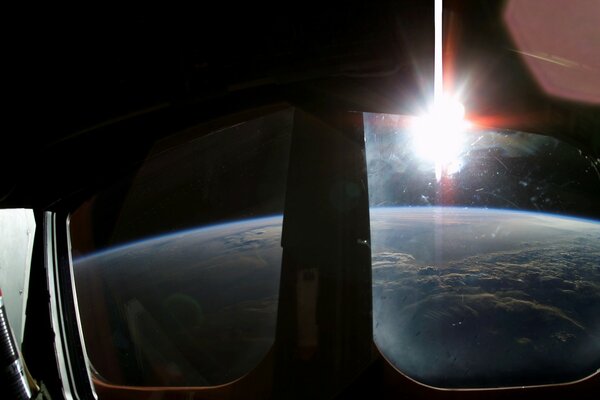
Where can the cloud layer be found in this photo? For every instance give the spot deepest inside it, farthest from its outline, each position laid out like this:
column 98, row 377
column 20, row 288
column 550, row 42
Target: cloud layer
column 508, row 316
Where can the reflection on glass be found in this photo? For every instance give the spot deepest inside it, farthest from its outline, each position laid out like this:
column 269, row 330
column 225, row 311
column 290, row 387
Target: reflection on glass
column 195, row 308
column 479, row 278
column 177, row 267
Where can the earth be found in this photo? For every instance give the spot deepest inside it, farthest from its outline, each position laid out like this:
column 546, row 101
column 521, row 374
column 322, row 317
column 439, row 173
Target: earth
column 461, row 298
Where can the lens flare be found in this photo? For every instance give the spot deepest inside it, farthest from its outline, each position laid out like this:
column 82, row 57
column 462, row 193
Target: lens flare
column 438, row 137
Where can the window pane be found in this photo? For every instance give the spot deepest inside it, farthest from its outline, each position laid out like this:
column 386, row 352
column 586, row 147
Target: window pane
column 480, row 279
column 177, row 267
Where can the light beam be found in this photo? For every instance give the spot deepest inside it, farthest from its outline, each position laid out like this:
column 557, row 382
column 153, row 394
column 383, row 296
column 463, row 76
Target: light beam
column 438, row 136
column 438, row 73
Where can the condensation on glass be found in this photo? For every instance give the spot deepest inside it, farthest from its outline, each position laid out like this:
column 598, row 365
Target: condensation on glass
column 486, row 269
column 177, row 265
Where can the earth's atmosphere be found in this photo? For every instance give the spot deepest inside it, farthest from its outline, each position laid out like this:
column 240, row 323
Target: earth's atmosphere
column 461, row 298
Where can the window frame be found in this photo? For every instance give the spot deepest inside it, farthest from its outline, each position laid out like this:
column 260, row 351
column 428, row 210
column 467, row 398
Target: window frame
column 78, row 382
column 72, row 361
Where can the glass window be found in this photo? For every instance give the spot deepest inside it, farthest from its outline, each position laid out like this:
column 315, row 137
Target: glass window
column 484, row 263
column 177, row 265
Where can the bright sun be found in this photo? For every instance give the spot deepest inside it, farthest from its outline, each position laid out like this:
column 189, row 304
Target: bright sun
column 438, row 136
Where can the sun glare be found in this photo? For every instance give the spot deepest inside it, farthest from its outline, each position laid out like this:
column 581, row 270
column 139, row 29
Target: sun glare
column 438, row 136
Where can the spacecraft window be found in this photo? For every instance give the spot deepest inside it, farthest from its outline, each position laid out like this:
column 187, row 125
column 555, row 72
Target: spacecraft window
column 177, row 265
column 488, row 253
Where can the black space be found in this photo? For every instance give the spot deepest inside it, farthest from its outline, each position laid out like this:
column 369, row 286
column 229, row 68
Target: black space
column 100, row 82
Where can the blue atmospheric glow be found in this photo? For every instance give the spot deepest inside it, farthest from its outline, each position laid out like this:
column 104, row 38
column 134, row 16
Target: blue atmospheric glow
column 279, row 218
column 488, row 210
column 207, row 228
